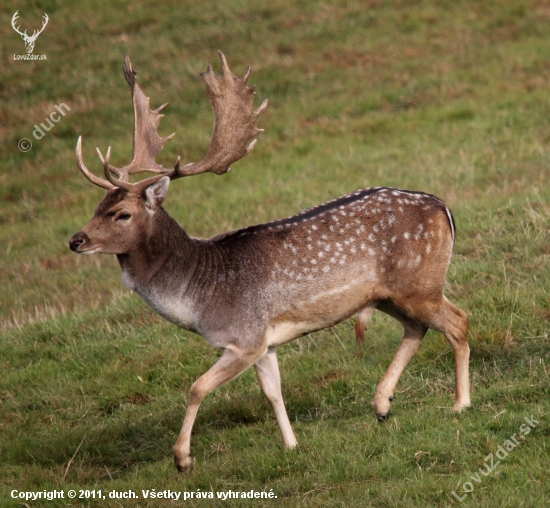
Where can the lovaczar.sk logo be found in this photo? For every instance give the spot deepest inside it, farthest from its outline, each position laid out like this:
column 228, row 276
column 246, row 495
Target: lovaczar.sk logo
column 29, row 39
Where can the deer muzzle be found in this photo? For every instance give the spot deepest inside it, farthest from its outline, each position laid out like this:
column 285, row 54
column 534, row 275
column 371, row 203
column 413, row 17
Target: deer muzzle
column 78, row 240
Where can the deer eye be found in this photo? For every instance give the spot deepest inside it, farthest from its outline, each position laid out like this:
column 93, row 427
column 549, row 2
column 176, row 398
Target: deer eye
column 123, row 216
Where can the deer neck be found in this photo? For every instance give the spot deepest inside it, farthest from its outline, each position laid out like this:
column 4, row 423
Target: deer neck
column 161, row 269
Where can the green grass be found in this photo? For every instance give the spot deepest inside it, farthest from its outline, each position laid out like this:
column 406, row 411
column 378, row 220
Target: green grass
column 451, row 98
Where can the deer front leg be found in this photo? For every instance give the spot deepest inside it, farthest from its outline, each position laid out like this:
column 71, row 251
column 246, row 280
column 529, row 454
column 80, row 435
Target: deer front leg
column 267, row 369
column 232, row 363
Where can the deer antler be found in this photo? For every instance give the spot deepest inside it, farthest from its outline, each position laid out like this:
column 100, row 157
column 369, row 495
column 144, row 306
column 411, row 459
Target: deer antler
column 233, row 138
column 16, row 28
column 36, row 33
column 24, row 34
column 235, row 128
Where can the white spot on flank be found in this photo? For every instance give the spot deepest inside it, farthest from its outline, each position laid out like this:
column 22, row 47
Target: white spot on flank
column 313, row 261
column 394, row 239
column 326, row 269
column 406, row 235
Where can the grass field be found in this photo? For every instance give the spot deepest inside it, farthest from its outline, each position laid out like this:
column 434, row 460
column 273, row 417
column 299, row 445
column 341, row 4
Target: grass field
column 447, row 97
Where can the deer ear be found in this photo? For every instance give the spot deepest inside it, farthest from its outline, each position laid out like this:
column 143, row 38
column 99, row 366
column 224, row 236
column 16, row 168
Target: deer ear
column 156, row 193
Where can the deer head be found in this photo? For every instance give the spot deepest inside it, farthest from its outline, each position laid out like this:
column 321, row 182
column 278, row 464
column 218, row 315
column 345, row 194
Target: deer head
column 121, row 217
column 29, row 39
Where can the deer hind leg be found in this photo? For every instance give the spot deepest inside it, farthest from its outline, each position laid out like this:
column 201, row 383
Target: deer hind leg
column 414, row 332
column 363, row 319
column 267, row 369
column 453, row 323
column 232, row 363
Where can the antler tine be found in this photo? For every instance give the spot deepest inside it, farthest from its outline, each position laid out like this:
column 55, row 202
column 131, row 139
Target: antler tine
column 86, row 172
column 235, row 122
column 133, row 188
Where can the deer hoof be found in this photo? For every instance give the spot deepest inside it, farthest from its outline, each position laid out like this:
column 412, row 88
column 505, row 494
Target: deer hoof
column 459, row 406
column 185, row 464
column 382, row 417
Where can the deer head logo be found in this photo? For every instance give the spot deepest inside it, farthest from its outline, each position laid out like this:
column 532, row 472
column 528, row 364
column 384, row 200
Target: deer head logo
column 29, row 39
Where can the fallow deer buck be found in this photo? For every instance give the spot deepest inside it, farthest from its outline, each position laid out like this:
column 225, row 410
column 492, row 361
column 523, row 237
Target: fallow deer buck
column 250, row 290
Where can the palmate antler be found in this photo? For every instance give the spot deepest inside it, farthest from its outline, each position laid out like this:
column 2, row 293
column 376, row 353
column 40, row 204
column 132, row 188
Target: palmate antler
column 234, row 134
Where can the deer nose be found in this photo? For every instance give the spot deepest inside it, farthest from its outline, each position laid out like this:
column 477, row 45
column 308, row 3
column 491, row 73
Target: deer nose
column 77, row 240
